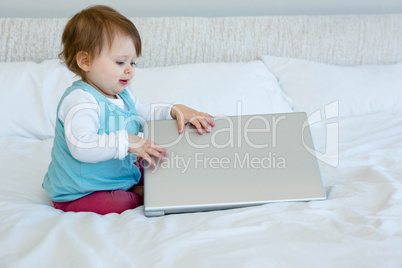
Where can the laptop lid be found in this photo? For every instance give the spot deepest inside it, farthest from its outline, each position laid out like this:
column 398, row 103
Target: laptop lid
column 244, row 161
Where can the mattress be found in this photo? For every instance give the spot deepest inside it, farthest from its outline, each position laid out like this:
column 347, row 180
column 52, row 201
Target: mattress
column 360, row 225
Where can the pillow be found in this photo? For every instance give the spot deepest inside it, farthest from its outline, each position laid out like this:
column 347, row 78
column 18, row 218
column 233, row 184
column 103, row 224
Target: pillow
column 215, row 88
column 30, row 95
column 31, row 91
column 360, row 90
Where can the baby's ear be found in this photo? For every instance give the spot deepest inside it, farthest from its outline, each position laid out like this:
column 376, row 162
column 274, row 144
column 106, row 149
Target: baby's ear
column 83, row 62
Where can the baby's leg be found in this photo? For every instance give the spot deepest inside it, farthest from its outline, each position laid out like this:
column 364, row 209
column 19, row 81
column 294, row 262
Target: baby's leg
column 139, row 189
column 103, row 202
column 140, row 164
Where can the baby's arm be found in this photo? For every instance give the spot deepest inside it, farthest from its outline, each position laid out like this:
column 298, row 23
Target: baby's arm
column 181, row 113
column 79, row 112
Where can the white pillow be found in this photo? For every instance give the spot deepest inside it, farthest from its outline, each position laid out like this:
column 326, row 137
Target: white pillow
column 359, row 89
column 215, row 88
column 31, row 91
column 30, row 95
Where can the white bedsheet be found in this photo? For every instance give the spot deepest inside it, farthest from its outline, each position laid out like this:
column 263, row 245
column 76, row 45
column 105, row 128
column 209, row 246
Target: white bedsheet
column 360, row 225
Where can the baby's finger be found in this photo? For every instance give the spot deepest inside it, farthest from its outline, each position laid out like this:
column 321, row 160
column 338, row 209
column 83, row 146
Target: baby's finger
column 197, row 124
column 147, row 158
column 155, row 153
column 209, row 121
column 207, row 117
column 180, row 123
column 204, row 124
column 158, row 147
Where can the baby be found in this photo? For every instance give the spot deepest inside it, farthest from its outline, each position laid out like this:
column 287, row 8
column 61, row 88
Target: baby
column 98, row 120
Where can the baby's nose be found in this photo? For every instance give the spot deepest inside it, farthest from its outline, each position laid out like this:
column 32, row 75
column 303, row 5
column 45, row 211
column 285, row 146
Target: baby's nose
column 129, row 70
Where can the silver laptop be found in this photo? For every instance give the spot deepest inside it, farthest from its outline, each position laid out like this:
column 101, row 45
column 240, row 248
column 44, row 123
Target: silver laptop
column 244, row 161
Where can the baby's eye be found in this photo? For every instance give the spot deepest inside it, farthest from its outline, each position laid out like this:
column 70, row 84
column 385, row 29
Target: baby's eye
column 133, row 64
column 120, row 62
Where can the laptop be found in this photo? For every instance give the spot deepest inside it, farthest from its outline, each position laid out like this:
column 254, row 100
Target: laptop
column 244, row 161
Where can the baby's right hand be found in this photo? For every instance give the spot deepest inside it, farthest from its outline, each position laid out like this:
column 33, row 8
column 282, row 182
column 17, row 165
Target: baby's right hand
column 145, row 148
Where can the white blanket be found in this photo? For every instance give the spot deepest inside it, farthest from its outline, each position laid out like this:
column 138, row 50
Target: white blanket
column 360, row 225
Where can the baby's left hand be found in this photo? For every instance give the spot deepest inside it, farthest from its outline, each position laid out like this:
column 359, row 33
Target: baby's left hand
column 184, row 114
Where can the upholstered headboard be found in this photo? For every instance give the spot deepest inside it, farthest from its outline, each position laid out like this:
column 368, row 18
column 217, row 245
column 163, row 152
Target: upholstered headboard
column 345, row 40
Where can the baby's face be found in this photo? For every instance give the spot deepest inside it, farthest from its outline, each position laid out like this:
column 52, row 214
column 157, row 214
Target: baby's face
column 113, row 69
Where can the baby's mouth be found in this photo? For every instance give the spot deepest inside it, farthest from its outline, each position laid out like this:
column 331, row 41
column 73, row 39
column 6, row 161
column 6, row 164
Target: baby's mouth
column 123, row 82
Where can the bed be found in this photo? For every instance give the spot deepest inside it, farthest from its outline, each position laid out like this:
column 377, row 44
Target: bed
column 344, row 71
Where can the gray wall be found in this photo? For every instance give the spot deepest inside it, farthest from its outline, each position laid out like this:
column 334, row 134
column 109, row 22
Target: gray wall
column 203, row 8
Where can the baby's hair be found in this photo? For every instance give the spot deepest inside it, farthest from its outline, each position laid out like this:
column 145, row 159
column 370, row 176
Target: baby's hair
column 89, row 29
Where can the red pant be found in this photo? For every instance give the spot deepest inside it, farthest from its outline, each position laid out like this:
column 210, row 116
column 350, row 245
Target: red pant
column 104, row 202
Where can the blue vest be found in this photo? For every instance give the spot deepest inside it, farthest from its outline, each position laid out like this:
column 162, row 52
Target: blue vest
column 67, row 178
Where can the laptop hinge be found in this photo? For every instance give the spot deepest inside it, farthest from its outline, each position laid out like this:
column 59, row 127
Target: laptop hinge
column 156, row 213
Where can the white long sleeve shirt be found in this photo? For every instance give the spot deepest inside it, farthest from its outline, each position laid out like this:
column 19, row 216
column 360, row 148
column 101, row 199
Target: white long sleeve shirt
column 80, row 113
